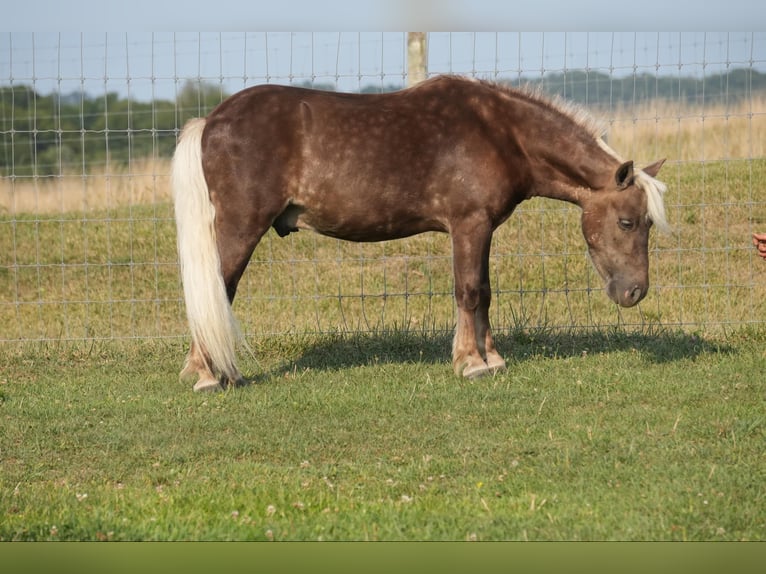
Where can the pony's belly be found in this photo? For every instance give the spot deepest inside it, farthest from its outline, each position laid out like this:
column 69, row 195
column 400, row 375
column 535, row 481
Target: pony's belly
column 364, row 230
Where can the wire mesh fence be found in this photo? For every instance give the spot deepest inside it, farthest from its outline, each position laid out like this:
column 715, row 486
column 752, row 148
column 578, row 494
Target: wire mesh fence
column 88, row 124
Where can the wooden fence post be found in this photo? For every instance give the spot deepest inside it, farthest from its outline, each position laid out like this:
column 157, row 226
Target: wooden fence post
column 417, row 57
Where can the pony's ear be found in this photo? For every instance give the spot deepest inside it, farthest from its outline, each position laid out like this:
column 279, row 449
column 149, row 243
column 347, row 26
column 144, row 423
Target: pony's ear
column 654, row 169
column 624, row 175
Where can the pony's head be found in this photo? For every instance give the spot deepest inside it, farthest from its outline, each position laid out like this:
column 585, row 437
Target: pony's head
column 616, row 222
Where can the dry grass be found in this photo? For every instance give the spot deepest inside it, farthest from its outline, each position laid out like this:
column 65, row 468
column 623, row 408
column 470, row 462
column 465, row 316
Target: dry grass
column 646, row 132
column 142, row 182
column 662, row 128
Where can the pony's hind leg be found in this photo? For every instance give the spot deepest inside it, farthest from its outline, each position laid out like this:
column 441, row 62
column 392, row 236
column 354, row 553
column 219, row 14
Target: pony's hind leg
column 198, row 363
column 235, row 248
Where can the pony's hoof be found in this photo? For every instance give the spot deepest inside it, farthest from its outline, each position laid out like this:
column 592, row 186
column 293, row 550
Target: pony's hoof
column 207, row 386
column 475, row 370
column 495, row 363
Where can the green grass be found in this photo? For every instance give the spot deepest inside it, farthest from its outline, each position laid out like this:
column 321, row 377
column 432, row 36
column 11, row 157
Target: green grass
column 588, row 436
column 640, row 424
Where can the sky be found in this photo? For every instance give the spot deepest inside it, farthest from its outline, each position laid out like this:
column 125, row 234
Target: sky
column 389, row 15
column 354, row 44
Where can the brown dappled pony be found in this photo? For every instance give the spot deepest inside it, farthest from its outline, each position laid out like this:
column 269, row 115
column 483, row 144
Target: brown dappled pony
column 452, row 154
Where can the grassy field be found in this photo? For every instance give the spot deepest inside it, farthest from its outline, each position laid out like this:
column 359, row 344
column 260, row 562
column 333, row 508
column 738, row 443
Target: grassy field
column 600, row 436
column 640, row 424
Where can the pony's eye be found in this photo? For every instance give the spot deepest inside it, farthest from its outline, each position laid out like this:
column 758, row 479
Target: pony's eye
column 626, row 224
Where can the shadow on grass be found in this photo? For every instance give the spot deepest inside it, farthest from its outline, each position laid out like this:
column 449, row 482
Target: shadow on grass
column 339, row 351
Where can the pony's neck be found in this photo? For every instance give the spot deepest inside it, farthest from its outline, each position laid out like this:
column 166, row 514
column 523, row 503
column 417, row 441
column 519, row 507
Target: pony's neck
column 567, row 155
column 572, row 174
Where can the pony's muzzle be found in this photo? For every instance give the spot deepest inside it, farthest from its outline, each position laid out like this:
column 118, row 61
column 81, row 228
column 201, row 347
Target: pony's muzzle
column 626, row 296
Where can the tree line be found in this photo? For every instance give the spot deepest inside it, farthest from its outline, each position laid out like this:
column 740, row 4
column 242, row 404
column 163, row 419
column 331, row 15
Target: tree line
column 73, row 133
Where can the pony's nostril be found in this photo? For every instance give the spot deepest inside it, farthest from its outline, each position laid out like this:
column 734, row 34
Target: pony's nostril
column 635, row 295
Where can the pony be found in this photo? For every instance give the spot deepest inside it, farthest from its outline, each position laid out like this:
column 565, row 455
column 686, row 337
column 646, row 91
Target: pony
column 451, row 154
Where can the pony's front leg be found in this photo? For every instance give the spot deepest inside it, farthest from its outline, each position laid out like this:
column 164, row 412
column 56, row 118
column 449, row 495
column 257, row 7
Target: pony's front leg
column 466, row 359
column 484, row 334
column 484, row 338
column 470, row 248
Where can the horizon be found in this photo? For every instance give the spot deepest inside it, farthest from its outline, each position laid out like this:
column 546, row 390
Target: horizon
column 155, row 66
column 76, row 95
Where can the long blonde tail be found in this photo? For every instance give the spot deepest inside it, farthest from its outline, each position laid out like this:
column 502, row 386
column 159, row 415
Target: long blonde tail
column 211, row 320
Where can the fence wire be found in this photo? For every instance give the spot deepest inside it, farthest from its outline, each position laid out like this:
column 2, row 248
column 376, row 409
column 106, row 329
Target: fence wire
column 88, row 123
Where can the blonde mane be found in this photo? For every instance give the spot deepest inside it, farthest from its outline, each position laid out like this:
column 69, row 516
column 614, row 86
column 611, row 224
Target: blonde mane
column 577, row 113
column 655, row 204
